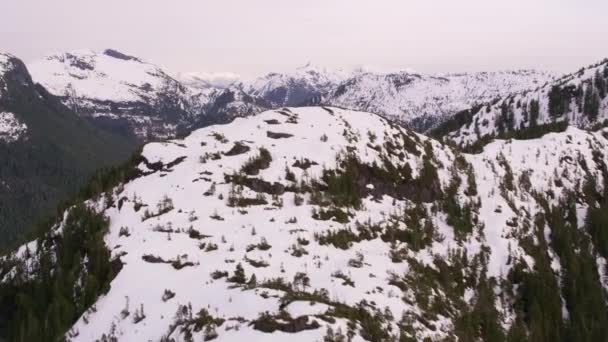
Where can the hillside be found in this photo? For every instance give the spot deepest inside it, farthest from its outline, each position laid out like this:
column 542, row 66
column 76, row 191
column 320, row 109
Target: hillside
column 305, row 85
column 418, row 100
column 424, row 101
column 135, row 98
column 577, row 99
column 46, row 151
column 139, row 100
column 121, row 93
column 313, row 224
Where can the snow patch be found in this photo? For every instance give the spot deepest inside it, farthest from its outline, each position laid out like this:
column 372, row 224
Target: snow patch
column 11, row 128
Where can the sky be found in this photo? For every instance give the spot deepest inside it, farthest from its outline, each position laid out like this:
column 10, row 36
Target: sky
column 251, row 37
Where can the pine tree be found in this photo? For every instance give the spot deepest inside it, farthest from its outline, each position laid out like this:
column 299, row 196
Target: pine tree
column 600, row 84
column 591, row 106
column 534, row 113
column 239, row 276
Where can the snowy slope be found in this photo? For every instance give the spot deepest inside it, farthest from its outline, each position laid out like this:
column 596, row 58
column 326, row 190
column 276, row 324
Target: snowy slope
column 4, row 65
column 423, row 101
column 569, row 96
column 229, row 103
column 205, row 80
column 11, row 128
column 114, row 89
column 207, row 203
column 99, row 76
column 124, row 93
column 302, row 86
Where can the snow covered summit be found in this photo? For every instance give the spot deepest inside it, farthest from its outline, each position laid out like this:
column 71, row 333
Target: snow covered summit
column 120, row 92
column 317, row 223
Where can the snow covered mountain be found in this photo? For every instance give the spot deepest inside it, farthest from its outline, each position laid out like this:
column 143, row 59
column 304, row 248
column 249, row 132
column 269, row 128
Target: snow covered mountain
column 423, row 101
column 306, row 85
column 11, row 127
column 418, row 100
column 124, row 94
column 230, row 103
column 578, row 99
column 205, row 80
column 121, row 93
column 322, row 224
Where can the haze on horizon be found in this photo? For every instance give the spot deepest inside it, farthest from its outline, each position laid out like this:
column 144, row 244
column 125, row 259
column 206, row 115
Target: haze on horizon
column 254, row 37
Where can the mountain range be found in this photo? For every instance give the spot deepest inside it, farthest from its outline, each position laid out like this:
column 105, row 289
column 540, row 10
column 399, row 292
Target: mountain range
column 140, row 100
column 468, row 207
column 577, row 99
column 316, row 224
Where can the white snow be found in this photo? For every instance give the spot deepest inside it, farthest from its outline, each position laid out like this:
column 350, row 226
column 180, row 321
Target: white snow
column 485, row 120
column 4, row 61
column 312, row 77
column 11, row 128
column 406, row 96
column 399, row 95
column 205, row 80
column 95, row 75
column 233, row 229
column 185, row 184
column 120, row 87
column 297, row 309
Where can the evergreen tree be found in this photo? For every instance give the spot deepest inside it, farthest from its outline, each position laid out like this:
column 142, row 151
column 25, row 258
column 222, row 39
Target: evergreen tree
column 538, row 301
column 581, row 286
column 534, row 113
column 62, row 286
column 600, row 84
column 559, row 100
column 591, row 106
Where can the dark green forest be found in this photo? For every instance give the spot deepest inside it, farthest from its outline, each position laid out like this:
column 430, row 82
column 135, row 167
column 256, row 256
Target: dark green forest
column 57, row 155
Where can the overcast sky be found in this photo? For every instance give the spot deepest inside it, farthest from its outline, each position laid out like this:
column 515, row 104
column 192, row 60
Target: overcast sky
column 254, row 36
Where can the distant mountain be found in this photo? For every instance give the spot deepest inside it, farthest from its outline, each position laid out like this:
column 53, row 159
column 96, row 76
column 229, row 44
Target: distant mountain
column 423, row 101
column 121, row 93
column 417, row 100
column 230, row 103
column 202, row 80
column 305, row 85
column 579, row 99
column 324, row 224
column 46, row 151
column 125, row 94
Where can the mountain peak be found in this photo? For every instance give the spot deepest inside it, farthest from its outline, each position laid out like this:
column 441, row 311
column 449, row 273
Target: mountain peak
column 204, row 80
column 7, row 62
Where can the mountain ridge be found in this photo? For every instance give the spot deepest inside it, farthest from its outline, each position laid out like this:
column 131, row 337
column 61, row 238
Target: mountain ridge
column 418, row 100
column 577, row 99
column 321, row 223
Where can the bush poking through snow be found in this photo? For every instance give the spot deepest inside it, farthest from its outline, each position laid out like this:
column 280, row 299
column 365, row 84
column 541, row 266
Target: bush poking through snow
column 139, row 314
column 260, row 162
column 238, row 275
column 168, row 294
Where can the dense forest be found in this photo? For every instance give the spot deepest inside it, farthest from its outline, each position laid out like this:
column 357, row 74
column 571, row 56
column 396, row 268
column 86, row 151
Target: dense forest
column 44, row 293
column 56, row 156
